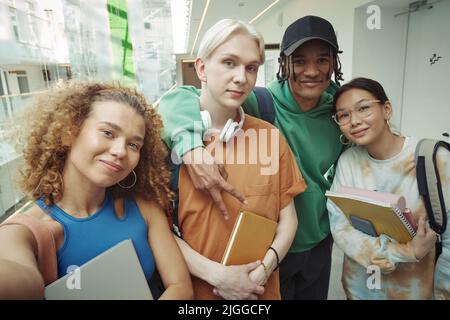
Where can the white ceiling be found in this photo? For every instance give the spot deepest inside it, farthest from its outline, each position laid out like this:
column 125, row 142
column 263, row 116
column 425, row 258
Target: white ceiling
column 219, row 9
column 247, row 9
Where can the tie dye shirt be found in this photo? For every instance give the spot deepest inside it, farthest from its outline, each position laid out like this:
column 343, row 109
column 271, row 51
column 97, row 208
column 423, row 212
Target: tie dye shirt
column 379, row 267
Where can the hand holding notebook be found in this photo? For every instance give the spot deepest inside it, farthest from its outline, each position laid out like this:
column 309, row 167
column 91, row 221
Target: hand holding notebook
column 113, row 274
column 424, row 240
column 375, row 213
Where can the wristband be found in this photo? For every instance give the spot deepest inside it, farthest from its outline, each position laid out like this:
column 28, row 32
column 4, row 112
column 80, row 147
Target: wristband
column 276, row 255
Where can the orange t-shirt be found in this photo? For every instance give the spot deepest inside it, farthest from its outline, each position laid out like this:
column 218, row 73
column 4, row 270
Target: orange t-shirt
column 262, row 167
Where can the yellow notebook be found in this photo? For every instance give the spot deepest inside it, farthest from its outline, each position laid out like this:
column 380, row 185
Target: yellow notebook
column 385, row 216
column 250, row 239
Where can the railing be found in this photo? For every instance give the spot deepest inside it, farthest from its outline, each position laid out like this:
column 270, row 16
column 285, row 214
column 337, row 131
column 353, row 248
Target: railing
column 11, row 105
column 10, row 161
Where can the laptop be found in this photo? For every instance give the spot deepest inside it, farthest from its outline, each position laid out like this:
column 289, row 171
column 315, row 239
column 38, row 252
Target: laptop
column 115, row 274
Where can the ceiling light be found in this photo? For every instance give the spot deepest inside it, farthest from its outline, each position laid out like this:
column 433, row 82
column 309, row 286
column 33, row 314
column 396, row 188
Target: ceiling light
column 200, row 25
column 264, row 11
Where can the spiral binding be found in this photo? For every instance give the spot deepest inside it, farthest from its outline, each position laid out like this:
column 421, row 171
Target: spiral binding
column 405, row 221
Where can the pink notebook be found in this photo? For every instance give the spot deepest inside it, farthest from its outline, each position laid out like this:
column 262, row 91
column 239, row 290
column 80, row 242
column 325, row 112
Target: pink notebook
column 397, row 201
column 394, row 199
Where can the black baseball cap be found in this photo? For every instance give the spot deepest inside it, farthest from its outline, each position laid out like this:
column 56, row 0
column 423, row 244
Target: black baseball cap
column 305, row 29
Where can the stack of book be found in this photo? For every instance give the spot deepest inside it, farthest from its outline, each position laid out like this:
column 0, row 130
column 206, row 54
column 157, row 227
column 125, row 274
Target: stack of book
column 375, row 213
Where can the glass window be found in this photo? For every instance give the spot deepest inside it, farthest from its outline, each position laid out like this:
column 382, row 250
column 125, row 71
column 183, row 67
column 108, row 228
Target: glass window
column 23, row 84
column 15, row 25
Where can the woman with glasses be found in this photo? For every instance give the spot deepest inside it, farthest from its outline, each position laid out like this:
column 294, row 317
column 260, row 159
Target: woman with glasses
column 379, row 267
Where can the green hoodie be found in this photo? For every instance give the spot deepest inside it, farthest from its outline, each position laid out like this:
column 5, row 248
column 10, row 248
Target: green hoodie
column 313, row 137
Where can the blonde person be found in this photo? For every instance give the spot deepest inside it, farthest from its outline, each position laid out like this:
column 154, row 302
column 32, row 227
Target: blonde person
column 383, row 161
column 94, row 166
column 227, row 63
column 302, row 97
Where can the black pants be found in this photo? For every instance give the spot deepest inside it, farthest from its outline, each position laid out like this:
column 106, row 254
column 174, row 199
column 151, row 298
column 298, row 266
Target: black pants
column 306, row 275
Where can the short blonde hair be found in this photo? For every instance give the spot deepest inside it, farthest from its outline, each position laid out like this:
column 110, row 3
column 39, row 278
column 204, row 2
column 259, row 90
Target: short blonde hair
column 222, row 30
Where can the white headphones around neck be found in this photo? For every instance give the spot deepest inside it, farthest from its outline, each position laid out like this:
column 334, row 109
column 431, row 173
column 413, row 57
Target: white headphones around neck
column 230, row 128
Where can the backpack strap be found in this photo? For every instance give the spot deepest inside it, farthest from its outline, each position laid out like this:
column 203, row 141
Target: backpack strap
column 265, row 103
column 46, row 249
column 175, row 175
column 429, row 185
column 429, row 182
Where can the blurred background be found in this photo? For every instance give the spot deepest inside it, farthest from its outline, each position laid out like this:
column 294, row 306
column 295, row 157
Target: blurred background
column 151, row 44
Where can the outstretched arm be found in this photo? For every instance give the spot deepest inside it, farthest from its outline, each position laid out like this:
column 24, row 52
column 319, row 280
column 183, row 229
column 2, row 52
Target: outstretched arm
column 19, row 274
column 180, row 111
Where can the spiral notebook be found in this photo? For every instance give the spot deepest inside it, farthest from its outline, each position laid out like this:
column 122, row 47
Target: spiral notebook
column 382, row 211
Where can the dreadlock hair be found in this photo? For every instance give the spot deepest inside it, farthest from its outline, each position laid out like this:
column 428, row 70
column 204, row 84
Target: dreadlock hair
column 284, row 67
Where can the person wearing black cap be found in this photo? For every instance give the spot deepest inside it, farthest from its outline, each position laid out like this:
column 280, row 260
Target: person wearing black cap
column 303, row 102
column 300, row 32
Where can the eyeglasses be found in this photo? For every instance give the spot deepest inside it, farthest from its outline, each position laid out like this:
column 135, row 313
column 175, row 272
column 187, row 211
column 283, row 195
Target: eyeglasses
column 363, row 110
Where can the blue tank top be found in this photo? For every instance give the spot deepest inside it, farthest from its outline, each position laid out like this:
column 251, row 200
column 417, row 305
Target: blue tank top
column 85, row 238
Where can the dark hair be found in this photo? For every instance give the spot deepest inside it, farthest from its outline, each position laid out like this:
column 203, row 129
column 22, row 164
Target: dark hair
column 284, row 68
column 369, row 85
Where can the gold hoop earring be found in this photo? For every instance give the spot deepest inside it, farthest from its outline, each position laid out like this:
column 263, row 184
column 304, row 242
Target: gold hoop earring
column 343, row 139
column 389, row 125
column 132, row 185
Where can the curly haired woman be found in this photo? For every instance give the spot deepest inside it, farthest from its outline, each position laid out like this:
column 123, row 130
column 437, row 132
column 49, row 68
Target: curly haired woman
column 94, row 164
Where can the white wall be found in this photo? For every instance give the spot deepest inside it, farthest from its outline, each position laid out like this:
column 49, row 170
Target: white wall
column 397, row 55
column 339, row 13
column 380, row 53
column 35, row 78
column 426, row 106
